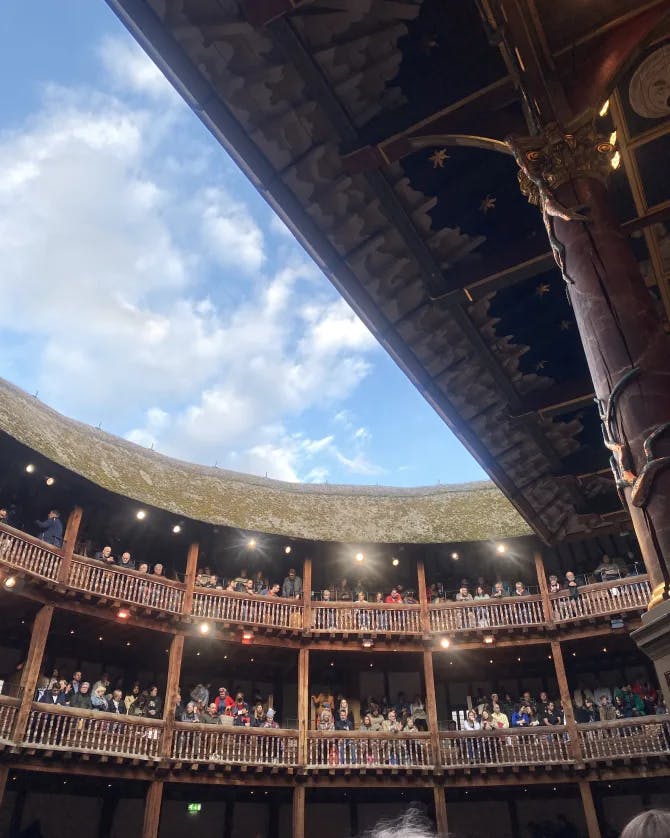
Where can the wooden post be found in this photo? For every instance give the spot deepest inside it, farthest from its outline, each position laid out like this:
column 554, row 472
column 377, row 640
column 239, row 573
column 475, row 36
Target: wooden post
column 544, row 588
column 574, row 748
column 590, row 814
column 431, row 705
column 440, row 811
column 189, row 578
column 70, row 542
column 303, row 704
column 423, row 597
column 31, row 670
column 170, row 703
column 298, row 812
column 307, row 594
column 152, row 809
column 4, row 774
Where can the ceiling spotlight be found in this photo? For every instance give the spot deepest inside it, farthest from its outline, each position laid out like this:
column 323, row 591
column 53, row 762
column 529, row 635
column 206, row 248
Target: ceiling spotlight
column 455, row 556
column 604, row 109
column 488, row 639
column 247, row 635
column 615, row 162
column 128, row 643
column 10, row 582
column 605, row 649
column 30, row 468
column 123, row 613
column 204, row 628
column 251, row 544
column 71, row 631
column 491, row 660
column 287, row 549
column 445, row 643
column 176, row 529
column 359, row 557
column 367, row 643
column 50, row 481
column 140, row 515
column 100, row 637
column 501, row 548
column 395, row 562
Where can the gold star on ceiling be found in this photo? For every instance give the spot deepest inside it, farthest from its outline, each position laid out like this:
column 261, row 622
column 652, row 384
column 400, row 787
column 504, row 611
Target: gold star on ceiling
column 540, row 366
column 565, row 325
column 488, row 203
column 428, row 44
column 542, row 289
column 438, row 157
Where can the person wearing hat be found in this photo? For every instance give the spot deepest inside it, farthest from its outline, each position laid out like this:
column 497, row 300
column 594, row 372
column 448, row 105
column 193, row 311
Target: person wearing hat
column 270, row 719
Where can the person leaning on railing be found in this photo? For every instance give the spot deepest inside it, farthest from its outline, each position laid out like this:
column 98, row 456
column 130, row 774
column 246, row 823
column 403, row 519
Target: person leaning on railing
column 51, row 529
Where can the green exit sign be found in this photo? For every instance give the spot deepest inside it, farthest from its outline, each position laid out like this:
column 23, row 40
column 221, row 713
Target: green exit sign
column 194, row 808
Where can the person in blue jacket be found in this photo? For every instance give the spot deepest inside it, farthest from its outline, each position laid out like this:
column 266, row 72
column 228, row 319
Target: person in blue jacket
column 52, row 529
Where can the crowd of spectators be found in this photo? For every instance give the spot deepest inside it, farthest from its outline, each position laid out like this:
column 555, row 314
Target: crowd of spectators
column 377, row 715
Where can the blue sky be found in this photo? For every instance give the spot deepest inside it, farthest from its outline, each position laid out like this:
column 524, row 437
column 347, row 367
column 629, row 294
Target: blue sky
column 148, row 288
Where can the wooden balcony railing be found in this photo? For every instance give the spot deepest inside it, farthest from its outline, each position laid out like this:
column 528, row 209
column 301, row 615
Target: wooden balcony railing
column 242, row 608
column 29, row 554
column 8, row 708
column 623, row 738
column 631, row 593
column 366, row 618
column 126, row 586
column 90, row 731
column 513, row 746
column 486, row 614
column 239, row 746
column 332, row 749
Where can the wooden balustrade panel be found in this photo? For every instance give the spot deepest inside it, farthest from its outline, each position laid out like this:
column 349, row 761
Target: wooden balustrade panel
column 8, row 709
column 218, row 743
column 365, row 619
column 645, row 736
column 126, row 586
column 486, row 614
column 86, row 731
column 258, row 610
column 542, row 746
column 29, row 554
column 368, row 750
column 604, row 599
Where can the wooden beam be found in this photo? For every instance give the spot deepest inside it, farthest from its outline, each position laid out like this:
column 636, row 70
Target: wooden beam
column 261, row 12
column 423, row 596
column 566, row 700
column 431, row 705
column 544, row 588
column 307, row 593
column 171, row 691
column 440, row 811
column 303, row 704
column 69, row 542
column 560, row 398
column 590, row 814
column 299, row 812
column 4, row 774
column 31, row 670
column 189, row 579
column 152, row 809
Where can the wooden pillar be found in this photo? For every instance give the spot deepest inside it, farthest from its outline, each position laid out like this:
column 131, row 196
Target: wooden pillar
column 307, row 594
column 574, row 748
column 423, row 597
column 69, row 542
column 171, row 688
column 110, row 803
column 189, row 578
column 303, row 704
column 228, row 817
column 431, row 705
column 31, row 669
column 4, row 774
column 592, row 825
column 544, row 587
column 298, row 812
column 152, row 809
column 440, row 811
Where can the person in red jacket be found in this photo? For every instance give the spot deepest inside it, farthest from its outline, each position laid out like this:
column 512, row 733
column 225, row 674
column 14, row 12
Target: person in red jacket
column 223, row 701
column 394, row 597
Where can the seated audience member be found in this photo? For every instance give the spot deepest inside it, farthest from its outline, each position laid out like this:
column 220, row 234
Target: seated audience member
column 139, row 706
column 102, row 682
column 520, row 589
column 343, row 591
column 498, row 591
column 344, row 705
column 154, row 703
column 143, row 567
column 116, row 705
column 126, row 561
column 75, row 683
column 82, row 699
column 224, row 701
column 105, row 555
column 606, row 710
column 521, row 717
column 51, row 529
column 480, row 593
column 542, row 703
column 463, row 594
column 410, row 598
column 588, row 713
column 274, row 589
column 608, row 569
column 471, row 722
column 552, row 716
column 344, row 722
column 292, row 587
column 240, row 711
column 554, row 584
column 366, row 723
column 260, row 583
column 54, row 695
column 230, row 587
column 240, row 581
column 270, row 719
column 419, row 715
column 527, row 699
column 376, row 718
column 210, row 716
column 5, row 518
column 506, row 703
column 391, row 724
column 158, row 570
column 133, row 695
column 571, row 584
column 325, row 720
column 402, row 705
column 99, row 700
column 191, row 713
column 258, row 716
column 499, row 719
column 395, row 597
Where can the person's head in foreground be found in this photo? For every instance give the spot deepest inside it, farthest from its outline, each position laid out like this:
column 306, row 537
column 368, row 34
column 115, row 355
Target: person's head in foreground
column 652, row 824
column 410, row 825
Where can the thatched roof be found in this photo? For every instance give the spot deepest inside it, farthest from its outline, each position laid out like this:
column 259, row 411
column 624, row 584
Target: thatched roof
column 467, row 512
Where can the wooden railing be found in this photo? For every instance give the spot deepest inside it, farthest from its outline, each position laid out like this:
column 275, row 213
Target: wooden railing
column 365, row 618
column 631, row 593
column 486, row 613
column 242, row 608
column 29, row 554
column 240, row 746
column 8, row 708
column 330, row 749
column 623, row 738
column 512, row 746
column 127, row 586
column 90, row 731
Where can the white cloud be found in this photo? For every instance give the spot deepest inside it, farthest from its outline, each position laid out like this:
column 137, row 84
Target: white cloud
column 130, row 68
column 229, row 232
